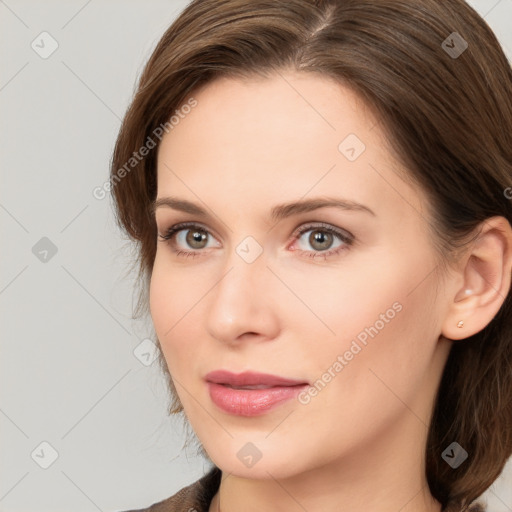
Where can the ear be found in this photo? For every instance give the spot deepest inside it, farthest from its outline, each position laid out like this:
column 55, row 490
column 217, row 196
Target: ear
column 486, row 270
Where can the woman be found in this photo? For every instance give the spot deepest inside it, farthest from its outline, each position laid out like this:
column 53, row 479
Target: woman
column 318, row 191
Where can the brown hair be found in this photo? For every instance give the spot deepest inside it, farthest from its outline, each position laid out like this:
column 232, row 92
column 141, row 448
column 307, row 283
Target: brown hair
column 447, row 116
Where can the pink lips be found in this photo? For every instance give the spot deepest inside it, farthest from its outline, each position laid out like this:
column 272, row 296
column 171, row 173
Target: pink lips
column 250, row 393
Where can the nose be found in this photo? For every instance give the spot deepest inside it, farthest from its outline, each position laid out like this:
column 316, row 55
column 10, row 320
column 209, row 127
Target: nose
column 242, row 305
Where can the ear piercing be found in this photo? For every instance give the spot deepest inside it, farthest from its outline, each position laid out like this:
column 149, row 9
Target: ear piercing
column 466, row 292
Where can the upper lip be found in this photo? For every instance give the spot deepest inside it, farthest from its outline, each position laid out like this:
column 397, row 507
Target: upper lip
column 250, row 379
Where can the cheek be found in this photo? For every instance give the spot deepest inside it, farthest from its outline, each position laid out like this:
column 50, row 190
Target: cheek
column 170, row 291
column 168, row 300
column 346, row 298
column 391, row 370
column 382, row 317
column 160, row 300
column 362, row 388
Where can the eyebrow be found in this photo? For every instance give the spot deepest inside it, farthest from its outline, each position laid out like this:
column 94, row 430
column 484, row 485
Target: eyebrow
column 278, row 212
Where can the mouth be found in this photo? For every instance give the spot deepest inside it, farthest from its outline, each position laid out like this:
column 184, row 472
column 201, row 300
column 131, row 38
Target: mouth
column 250, row 380
column 260, row 386
column 250, row 393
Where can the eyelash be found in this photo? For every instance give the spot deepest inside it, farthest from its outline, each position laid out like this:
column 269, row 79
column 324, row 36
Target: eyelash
column 345, row 237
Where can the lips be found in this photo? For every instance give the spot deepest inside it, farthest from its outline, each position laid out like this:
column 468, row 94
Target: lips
column 250, row 393
column 250, row 380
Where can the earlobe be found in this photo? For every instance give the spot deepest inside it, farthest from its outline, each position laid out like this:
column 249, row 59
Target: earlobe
column 486, row 270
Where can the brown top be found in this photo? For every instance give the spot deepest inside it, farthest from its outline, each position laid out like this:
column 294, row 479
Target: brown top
column 197, row 496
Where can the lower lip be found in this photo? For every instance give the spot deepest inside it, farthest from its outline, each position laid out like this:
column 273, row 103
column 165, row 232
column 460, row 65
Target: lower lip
column 251, row 402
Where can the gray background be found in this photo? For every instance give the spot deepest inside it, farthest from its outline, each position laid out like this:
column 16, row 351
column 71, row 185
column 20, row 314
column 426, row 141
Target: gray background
column 68, row 374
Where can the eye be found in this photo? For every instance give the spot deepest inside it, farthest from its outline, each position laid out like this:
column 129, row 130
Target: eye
column 185, row 236
column 322, row 240
column 188, row 239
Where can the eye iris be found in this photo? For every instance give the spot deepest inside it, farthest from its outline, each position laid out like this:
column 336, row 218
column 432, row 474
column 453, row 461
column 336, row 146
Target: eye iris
column 195, row 238
column 322, row 238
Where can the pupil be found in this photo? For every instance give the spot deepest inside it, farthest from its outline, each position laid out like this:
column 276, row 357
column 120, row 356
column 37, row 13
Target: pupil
column 195, row 238
column 320, row 239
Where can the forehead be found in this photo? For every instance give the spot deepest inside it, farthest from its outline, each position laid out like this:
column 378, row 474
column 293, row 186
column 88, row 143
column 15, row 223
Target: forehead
column 280, row 138
column 294, row 106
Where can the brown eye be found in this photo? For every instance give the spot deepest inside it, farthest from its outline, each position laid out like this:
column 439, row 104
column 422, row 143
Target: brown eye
column 189, row 239
column 320, row 239
column 195, row 238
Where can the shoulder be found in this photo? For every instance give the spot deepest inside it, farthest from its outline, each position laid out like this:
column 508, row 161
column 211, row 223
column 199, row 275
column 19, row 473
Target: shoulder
column 195, row 497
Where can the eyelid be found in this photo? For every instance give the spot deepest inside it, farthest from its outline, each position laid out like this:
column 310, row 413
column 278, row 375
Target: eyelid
column 179, row 226
column 309, row 226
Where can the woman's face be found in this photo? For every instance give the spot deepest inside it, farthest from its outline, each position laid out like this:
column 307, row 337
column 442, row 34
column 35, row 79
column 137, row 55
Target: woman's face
column 307, row 258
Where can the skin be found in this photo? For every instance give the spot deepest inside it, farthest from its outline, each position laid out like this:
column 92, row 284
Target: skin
column 358, row 444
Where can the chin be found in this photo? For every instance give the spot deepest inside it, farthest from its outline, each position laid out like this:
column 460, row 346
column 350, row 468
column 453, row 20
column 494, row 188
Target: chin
column 255, row 460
